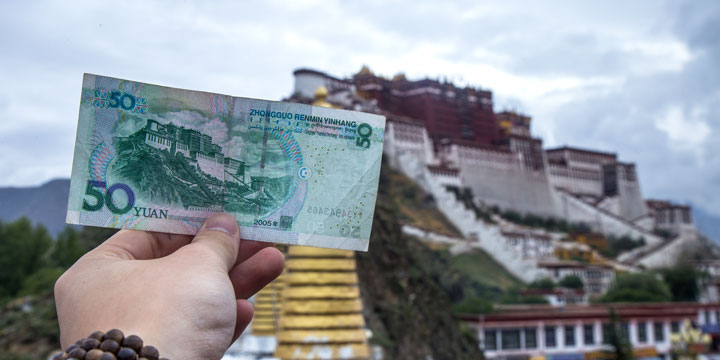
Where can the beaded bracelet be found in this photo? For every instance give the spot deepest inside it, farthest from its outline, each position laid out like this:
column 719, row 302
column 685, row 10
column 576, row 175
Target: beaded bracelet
column 112, row 345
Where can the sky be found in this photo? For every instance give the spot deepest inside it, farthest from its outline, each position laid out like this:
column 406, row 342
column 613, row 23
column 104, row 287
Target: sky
column 639, row 78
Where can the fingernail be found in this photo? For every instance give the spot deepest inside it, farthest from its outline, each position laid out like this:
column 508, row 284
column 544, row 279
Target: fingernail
column 222, row 222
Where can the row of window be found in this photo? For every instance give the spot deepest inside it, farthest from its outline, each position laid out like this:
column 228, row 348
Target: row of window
column 668, row 215
column 526, row 338
column 158, row 139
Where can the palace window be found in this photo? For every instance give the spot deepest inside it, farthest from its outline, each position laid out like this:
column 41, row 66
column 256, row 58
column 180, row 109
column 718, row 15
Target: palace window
column 642, row 331
column 569, row 335
column 510, row 339
column 530, row 338
column 550, row 340
column 588, row 334
column 659, row 332
column 490, row 339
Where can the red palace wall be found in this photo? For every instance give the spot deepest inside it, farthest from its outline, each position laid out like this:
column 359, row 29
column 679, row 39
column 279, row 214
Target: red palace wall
column 445, row 116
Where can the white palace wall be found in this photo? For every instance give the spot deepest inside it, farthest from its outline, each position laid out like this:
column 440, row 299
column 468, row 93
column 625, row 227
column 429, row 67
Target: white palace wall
column 573, row 209
column 499, row 178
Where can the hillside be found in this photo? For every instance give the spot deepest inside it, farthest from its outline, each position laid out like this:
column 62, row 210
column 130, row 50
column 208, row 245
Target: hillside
column 484, row 269
column 404, row 285
column 45, row 204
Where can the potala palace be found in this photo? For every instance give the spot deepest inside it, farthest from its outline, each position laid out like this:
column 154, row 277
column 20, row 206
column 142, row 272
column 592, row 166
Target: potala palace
column 445, row 137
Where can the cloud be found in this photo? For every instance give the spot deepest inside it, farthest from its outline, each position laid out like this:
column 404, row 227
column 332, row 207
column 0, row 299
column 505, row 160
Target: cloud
column 639, row 78
column 685, row 133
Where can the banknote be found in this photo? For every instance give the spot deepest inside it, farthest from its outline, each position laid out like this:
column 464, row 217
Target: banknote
column 156, row 158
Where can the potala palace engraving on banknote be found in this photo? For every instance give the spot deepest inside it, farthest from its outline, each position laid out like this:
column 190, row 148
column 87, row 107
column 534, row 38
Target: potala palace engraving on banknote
column 155, row 158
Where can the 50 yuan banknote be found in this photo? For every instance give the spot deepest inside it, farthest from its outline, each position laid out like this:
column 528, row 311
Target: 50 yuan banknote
column 155, row 158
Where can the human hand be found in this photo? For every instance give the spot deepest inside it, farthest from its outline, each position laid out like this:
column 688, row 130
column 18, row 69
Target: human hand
column 184, row 295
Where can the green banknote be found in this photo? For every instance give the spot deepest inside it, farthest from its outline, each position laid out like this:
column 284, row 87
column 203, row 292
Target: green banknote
column 155, row 158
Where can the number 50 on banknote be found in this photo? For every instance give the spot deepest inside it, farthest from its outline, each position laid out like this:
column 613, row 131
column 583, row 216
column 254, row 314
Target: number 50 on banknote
column 155, row 158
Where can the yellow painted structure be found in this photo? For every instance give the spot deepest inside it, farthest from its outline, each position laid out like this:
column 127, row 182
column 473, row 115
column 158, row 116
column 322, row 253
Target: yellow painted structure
column 321, row 308
column 584, row 255
column 268, row 307
column 597, row 241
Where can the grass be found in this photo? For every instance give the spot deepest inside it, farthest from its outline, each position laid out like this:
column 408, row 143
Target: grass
column 483, row 268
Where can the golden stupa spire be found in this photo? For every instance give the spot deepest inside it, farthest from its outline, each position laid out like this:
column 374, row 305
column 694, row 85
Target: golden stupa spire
column 321, row 94
column 321, row 312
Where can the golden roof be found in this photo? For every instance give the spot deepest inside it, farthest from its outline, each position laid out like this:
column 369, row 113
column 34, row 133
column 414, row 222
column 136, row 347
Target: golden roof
column 365, row 70
column 399, row 77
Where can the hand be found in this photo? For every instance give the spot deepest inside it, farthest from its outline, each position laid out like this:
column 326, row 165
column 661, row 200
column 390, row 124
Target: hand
column 184, row 295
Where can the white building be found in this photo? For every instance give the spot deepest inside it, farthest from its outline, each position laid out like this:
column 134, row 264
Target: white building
column 573, row 331
column 596, row 277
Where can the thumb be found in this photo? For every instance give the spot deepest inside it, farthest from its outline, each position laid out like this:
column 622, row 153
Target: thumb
column 220, row 238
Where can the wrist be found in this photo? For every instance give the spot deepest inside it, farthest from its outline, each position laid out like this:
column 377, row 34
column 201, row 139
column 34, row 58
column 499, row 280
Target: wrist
column 110, row 345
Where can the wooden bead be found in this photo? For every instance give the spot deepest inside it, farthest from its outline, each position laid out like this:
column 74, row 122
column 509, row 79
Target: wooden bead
column 108, row 356
column 60, row 355
column 126, row 353
column 94, row 354
column 149, row 352
column 77, row 353
column 71, row 347
column 90, row 343
column 110, row 346
column 116, row 335
column 134, row 342
column 97, row 335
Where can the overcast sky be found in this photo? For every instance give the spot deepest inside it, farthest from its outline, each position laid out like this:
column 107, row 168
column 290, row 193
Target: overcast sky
column 640, row 78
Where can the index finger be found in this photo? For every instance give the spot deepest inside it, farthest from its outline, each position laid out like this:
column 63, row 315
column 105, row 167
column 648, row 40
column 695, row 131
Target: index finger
column 140, row 245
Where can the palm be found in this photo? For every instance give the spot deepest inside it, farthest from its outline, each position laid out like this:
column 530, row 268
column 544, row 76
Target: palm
column 175, row 294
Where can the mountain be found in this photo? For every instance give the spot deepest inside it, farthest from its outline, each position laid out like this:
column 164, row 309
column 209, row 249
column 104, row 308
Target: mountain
column 45, row 204
column 707, row 223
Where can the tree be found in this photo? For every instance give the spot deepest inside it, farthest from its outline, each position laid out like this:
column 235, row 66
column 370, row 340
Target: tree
column 514, row 296
column 66, row 249
column 682, row 279
column 638, row 287
column 473, row 305
column 22, row 252
column 571, row 282
column 542, row 284
column 618, row 339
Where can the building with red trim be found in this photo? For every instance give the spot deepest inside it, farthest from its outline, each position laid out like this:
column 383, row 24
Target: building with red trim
column 581, row 331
